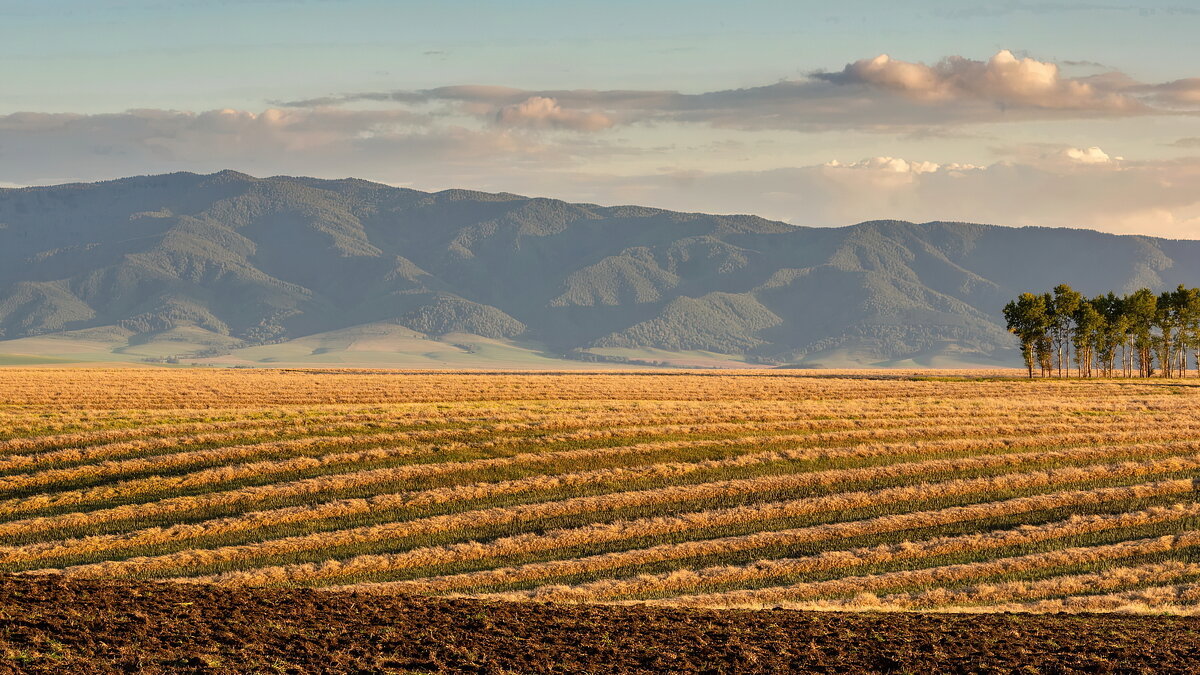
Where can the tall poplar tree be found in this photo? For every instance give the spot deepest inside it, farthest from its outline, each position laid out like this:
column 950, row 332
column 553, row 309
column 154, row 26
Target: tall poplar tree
column 1029, row 320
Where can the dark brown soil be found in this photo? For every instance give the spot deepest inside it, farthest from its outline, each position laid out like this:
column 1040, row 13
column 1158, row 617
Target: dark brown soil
column 48, row 625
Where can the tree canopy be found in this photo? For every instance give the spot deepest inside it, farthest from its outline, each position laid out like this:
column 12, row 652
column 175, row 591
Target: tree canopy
column 1136, row 335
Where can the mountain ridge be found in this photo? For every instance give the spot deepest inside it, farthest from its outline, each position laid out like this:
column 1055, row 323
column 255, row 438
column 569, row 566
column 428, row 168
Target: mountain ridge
column 239, row 262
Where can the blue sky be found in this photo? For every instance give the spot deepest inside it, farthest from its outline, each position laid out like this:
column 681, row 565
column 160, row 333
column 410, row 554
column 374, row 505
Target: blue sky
column 777, row 108
column 94, row 56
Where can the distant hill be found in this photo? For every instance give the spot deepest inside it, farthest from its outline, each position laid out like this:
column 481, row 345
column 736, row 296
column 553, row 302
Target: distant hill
column 234, row 269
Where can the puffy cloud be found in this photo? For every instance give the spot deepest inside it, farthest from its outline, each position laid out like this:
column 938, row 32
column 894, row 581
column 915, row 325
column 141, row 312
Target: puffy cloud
column 540, row 112
column 910, row 78
column 1003, row 80
column 889, row 164
column 1059, row 157
column 1092, row 155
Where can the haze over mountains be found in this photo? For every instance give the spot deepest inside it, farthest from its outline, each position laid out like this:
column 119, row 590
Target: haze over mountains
column 227, row 268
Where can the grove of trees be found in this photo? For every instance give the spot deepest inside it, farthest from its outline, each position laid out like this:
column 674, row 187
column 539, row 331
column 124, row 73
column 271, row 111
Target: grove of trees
column 1135, row 335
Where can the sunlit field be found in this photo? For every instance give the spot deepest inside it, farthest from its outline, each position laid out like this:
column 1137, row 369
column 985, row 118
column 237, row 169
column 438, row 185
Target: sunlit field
column 831, row 490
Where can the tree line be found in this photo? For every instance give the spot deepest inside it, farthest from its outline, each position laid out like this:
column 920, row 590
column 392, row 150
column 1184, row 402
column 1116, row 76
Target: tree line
column 1140, row 334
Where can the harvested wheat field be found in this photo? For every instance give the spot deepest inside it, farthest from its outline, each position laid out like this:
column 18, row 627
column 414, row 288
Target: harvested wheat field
column 710, row 490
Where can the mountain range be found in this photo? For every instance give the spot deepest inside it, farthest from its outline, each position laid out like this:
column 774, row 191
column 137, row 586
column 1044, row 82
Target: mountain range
column 231, row 269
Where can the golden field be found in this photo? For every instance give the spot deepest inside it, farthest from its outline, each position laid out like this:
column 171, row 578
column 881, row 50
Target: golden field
column 827, row 490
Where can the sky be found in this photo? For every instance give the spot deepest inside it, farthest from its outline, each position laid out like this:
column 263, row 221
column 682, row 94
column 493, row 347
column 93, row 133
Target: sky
column 1061, row 114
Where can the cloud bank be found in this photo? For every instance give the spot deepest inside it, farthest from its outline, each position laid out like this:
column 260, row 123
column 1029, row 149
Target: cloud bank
column 881, row 93
column 622, row 146
column 1054, row 187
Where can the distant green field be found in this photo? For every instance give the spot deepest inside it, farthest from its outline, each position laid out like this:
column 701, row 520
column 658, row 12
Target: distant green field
column 27, row 360
column 366, row 346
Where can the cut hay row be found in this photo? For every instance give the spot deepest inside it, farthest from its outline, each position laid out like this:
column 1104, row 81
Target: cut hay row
column 619, row 530
column 35, row 427
column 496, row 434
column 1178, row 599
column 216, row 476
column 1074, row 556
column 29, row 453
column 224, row 474
column 547, row 414
column 687, row 581
column 826, row 532
column 546, row 483
column 1068, row 585
column 550, row 483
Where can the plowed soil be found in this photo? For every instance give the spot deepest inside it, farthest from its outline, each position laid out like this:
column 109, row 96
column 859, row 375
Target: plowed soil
column 49, row 625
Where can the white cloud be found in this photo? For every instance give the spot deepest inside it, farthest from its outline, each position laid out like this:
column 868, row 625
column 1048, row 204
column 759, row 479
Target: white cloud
column 1059, row 157
column 1002, row 80
column 1092, row 155
column 540, row 112
column 889, row 164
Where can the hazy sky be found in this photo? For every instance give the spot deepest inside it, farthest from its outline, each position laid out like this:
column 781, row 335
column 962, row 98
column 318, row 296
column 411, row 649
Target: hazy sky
column 1024, row 113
